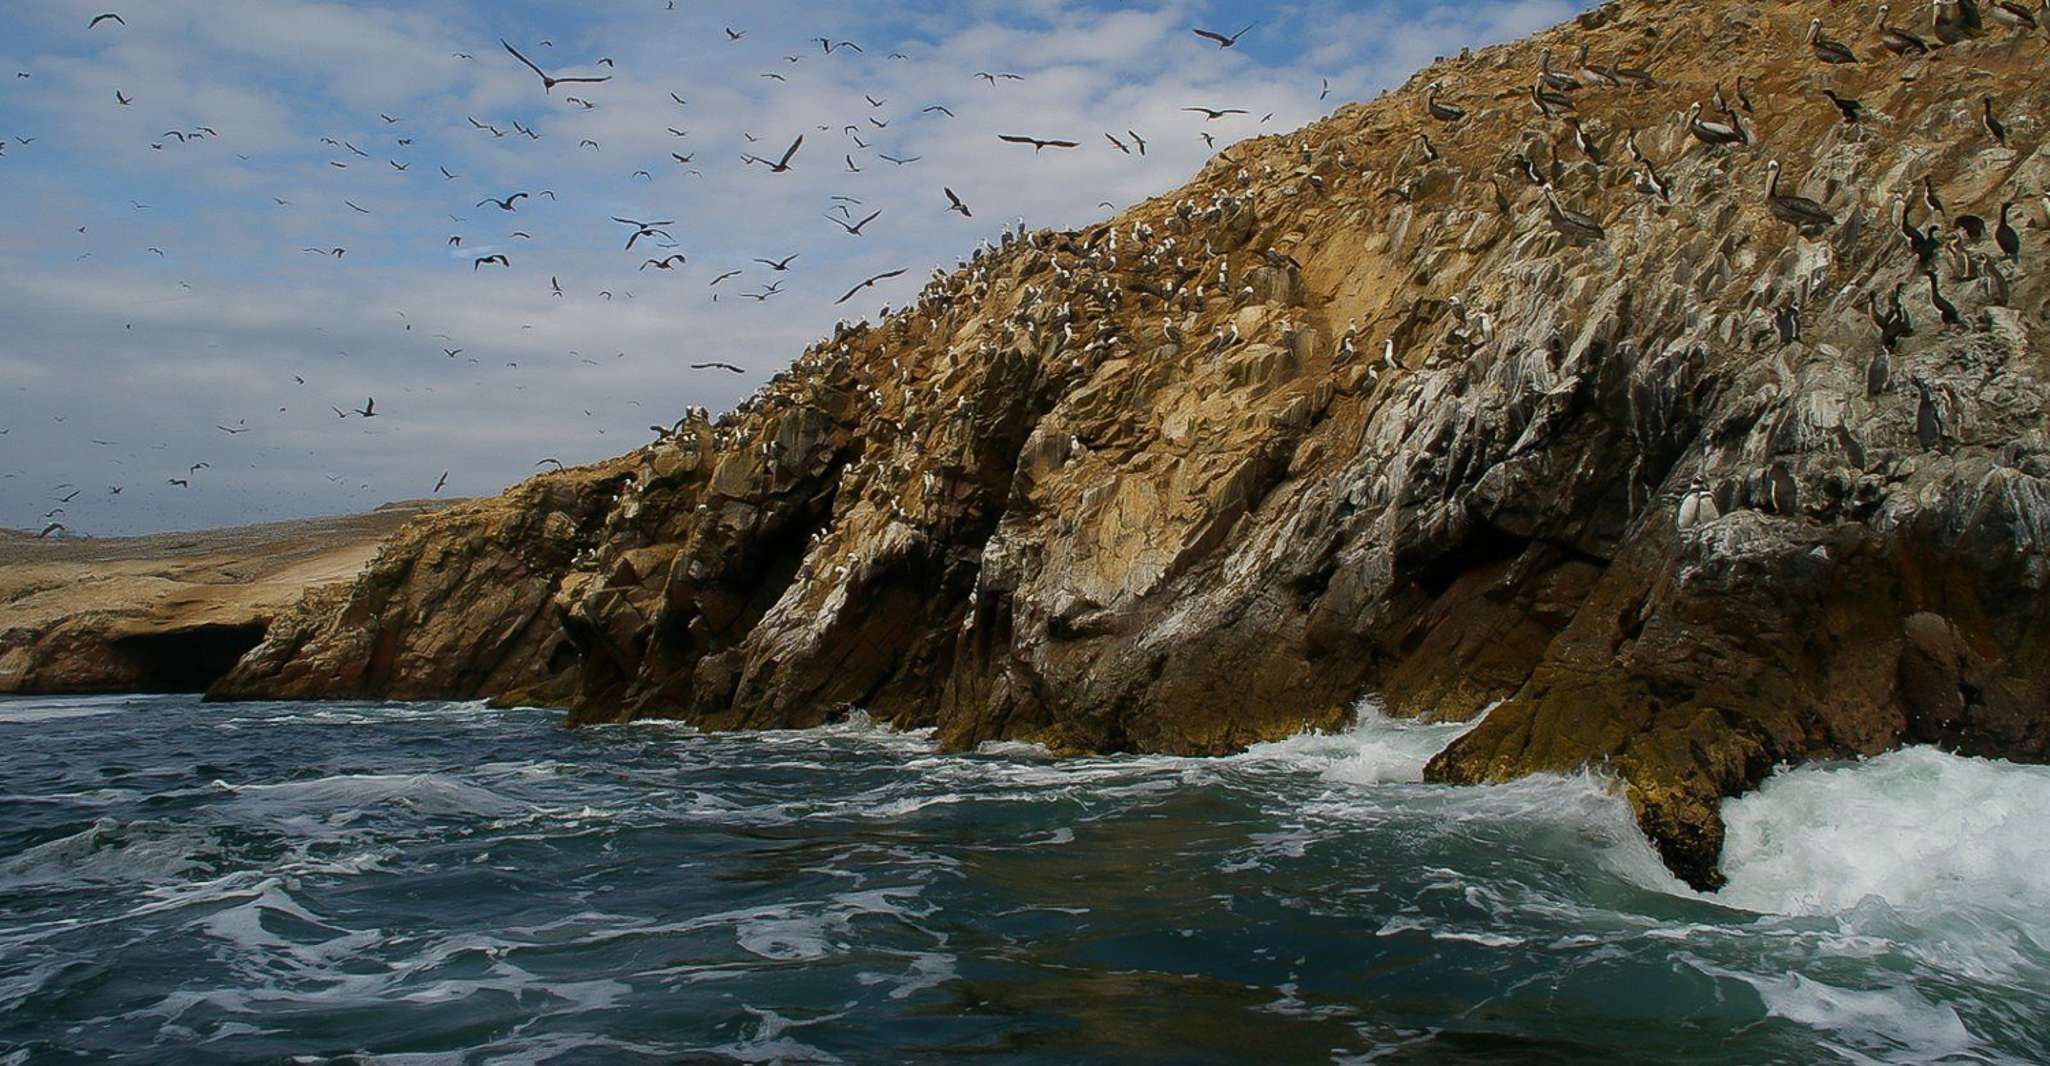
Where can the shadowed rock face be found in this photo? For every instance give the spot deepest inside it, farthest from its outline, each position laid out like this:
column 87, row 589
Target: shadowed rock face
column 1152, row 486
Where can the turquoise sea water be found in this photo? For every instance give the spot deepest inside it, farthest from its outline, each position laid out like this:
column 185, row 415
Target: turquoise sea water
column 440, row 883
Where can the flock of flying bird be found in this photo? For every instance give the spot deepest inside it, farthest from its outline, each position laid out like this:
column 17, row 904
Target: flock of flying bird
column 580, row 91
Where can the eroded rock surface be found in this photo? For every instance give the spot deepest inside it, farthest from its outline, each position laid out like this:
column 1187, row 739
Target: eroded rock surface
column 1340, row 416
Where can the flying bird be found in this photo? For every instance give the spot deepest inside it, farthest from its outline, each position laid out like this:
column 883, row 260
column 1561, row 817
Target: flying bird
column 779, row 264
column 500, row 259
column 109, row 16
column 670, row 263
column 548, row 83
column 1036, row 143
column 956, row 201
column 439, row 484
column 781, row 166
column 1212, row 114
column 855, row 229
column 1221, row 39
column 505, row 204
column 369, row 408
column 717, row 366
column 870, row 283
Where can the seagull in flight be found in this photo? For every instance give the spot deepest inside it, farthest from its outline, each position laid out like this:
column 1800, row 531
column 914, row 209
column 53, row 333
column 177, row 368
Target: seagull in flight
column 870, row 283
column 956, row 201
column 548, row 83
column 717, row 366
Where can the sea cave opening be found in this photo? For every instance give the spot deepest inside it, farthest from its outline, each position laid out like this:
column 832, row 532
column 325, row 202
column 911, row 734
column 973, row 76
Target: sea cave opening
column 187, row 660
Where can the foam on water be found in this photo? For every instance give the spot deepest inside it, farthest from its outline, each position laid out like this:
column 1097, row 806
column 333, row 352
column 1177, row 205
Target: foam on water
column 1920, row 829
column 1376, row 750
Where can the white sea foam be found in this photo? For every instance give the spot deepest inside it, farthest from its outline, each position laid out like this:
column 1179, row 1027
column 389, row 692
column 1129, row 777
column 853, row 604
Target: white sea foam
column 1920, row 829
column 1377, row 749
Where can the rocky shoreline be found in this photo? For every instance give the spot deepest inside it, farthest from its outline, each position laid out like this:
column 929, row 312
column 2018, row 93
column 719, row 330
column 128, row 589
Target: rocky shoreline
column 1359, row 411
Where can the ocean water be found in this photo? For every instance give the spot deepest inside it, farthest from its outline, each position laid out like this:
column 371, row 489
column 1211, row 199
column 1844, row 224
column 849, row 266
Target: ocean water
column 441, row 883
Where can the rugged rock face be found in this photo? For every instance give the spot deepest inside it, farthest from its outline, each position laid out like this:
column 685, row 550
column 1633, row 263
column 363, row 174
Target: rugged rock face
column 1357, row 411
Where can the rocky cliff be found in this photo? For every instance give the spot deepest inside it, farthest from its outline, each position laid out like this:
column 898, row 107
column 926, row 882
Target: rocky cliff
column 1360, row 408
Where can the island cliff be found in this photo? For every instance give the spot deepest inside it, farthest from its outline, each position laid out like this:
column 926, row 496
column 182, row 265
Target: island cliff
column 1358, row 410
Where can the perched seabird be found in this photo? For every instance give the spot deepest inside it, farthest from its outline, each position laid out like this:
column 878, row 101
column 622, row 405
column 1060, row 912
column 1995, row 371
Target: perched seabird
column 1716, row 134
column 1798, row 211
column 1697, row 506
column 1825, row 49
column 1439, row 110
column 1594, row 75
column 1949, row 28
column 1944, row 307
column 1571, row 223
column 1899, row 41
column 1878, row 373
column 1553, row 80
column 1991, row 123
column 1850, row 109
column 1549, row 101
column 2005, row 235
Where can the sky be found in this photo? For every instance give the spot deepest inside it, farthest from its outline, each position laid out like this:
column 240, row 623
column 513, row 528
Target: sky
column 159, row 309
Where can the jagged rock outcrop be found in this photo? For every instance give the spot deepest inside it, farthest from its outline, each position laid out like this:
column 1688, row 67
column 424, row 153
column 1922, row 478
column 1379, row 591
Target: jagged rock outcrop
column 1352, row 411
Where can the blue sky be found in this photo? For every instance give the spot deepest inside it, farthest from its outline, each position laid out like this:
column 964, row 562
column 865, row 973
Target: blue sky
column 186, row 307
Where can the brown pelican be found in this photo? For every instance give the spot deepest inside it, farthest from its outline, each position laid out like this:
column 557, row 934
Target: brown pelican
column 1715, row 133
column 1555, row 81
column 1594, row 75
column 1549, row 101
column 1797, row 211
column 1827, row 50
column 1636, row 77
column 1950, row 28
column 1572, row 224
column 2015, row 15
column 1899, row 41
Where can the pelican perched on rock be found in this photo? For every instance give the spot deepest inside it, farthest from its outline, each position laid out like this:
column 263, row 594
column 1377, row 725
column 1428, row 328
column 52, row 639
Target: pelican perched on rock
column 2015, row 15
column 1594, row 75
column 1715, row 133
column 1572, row 224
column 1798, row 211
column 1551, row 79
column 1825, row 49
column 1949, row 28
column 1899, row 41
column 1549, row 101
